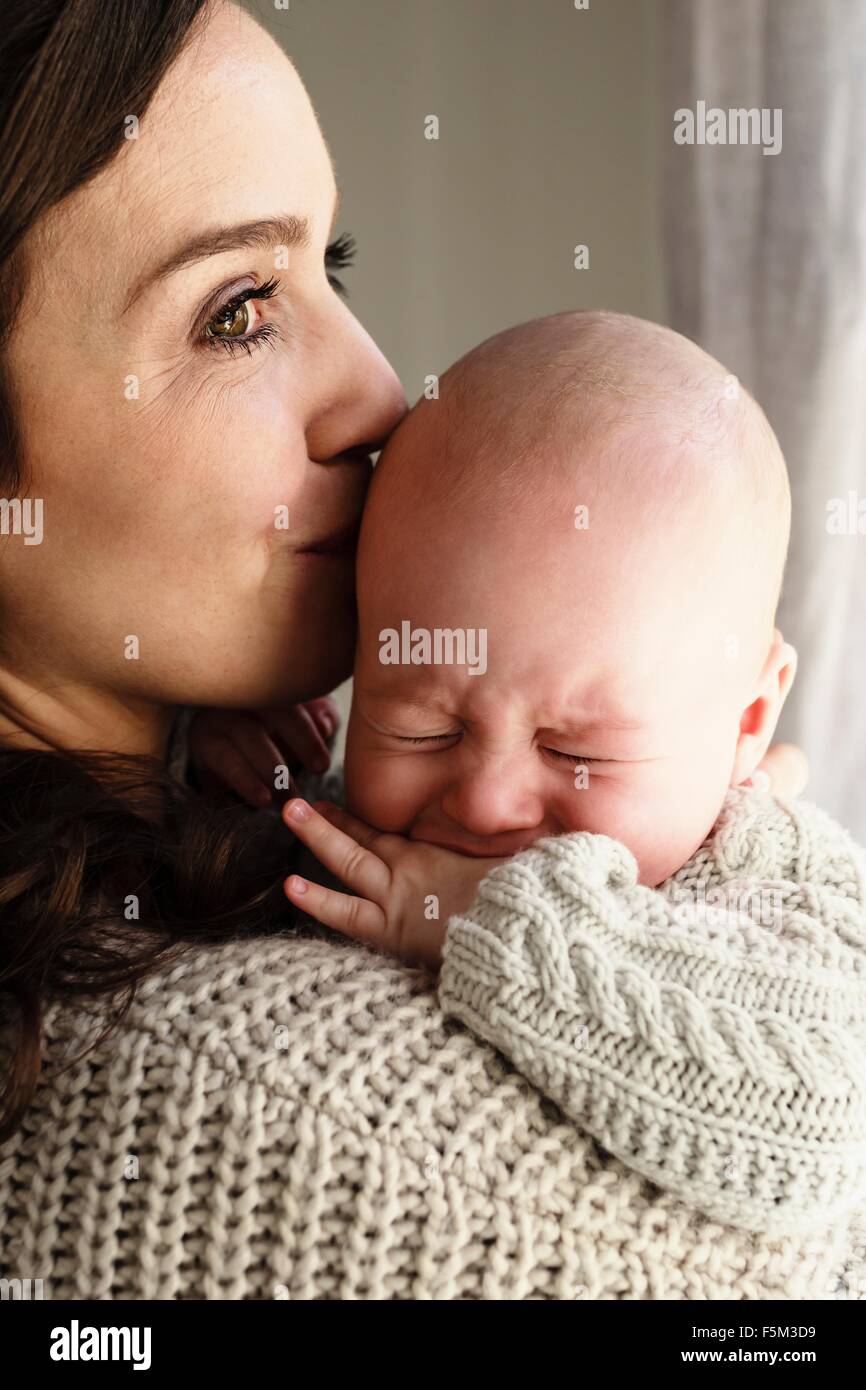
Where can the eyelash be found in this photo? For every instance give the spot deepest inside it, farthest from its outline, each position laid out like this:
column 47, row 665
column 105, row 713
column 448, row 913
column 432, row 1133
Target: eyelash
column 339, row 255
column 554, row 752
column 426, row 738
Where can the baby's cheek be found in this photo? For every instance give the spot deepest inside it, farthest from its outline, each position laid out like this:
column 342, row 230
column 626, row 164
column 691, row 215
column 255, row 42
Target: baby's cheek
column 661, row 813
column 383, row 790
column 606, row 805
column 674, row 824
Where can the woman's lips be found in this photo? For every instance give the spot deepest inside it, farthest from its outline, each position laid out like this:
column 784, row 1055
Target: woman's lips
column 341, row 542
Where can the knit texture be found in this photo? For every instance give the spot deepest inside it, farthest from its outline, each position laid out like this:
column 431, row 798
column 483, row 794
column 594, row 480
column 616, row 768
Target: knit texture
column 294, row 1118
column 711, row 1033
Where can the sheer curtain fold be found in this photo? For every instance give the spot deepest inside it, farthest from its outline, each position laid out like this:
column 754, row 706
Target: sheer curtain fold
column 766, row 268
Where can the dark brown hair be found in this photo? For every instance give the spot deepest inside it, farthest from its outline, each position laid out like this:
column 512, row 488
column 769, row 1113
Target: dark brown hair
column 108, row 864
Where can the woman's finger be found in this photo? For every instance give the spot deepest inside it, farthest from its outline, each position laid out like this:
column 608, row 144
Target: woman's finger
column 359, row 868
column 787, row 768
column 355, row 917
column 235, row 746
column 252, row 740
column 227, row 761
column 298, row 731
column 325, row 714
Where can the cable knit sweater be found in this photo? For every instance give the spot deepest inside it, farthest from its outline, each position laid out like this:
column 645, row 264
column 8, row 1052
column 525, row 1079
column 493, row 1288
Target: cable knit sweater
column 295, row 1117
column 712, row 1033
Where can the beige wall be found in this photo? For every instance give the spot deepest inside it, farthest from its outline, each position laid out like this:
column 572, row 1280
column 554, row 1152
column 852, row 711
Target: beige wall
column 547, row 139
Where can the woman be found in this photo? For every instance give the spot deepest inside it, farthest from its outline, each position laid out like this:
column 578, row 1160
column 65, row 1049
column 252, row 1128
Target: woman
column 226, row 1110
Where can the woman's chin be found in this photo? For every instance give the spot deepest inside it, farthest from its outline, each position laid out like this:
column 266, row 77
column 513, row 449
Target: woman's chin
column 309, row 675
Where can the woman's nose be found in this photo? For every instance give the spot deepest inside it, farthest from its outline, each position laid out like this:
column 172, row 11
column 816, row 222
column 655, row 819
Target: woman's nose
column 494, row 798
column 357, row 399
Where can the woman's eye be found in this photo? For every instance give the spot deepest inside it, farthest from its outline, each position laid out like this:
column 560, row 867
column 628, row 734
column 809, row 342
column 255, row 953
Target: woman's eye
column 234, row 321
column 239, row 324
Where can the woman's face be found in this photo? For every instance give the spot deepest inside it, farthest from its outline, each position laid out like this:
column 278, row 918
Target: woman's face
column 191, row 450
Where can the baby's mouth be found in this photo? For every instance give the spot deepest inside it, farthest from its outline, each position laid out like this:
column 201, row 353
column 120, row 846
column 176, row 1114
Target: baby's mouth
column 508, row 846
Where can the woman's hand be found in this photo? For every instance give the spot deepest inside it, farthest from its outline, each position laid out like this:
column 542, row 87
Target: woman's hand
column 242, row 749
column 785, row 769
column 405, row 890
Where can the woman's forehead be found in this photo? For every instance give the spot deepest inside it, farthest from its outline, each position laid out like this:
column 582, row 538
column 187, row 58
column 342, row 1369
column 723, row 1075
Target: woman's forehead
column 229, row 138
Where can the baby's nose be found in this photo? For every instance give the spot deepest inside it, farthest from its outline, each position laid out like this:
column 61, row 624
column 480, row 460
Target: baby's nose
column 493, row 800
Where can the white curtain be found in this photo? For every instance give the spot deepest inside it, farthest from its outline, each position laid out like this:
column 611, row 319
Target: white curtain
column 766, row 268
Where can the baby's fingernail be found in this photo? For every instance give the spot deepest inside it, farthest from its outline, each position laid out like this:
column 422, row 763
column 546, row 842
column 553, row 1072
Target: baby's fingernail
column 298, row 810
column 297, row 885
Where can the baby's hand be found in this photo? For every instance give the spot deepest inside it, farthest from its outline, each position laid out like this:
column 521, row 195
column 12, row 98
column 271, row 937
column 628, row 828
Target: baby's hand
column 242, row 749
column 408, row 890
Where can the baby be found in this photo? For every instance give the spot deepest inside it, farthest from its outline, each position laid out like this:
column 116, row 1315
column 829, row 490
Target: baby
column 567, row 672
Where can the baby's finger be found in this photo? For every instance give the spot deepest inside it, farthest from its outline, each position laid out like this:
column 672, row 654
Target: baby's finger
column 355, row 917
column 358, row 829
column 359, row 868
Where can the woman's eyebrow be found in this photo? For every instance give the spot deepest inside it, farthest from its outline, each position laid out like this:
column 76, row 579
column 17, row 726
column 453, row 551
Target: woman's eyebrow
column 287, row 230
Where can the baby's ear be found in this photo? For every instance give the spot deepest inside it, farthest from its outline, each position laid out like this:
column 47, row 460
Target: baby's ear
column 758, row 721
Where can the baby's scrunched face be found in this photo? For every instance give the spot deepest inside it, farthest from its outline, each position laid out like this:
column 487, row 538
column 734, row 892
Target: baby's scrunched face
column 574, row 725
column 520, row 676
column 488, row 767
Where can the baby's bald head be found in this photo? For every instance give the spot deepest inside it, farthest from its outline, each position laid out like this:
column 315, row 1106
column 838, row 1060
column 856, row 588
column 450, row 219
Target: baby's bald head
column 604, row 503
column 625, row 417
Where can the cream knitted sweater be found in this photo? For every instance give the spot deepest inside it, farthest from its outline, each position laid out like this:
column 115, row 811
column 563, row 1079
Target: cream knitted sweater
column 712, row 1033
column 295, row 1117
